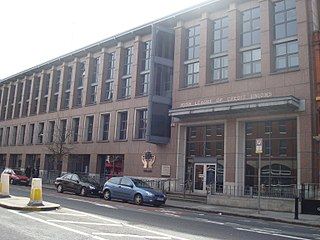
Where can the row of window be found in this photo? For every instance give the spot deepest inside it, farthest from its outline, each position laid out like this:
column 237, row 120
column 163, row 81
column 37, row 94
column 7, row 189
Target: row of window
column 42, row 93
column 284, row 44
column 74, row 130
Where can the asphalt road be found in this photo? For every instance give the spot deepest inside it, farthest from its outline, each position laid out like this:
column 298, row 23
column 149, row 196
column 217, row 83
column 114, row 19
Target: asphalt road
column 95, row 218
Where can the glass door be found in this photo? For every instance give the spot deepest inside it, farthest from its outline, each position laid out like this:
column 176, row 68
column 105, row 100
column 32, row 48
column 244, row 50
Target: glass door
column 204, row 177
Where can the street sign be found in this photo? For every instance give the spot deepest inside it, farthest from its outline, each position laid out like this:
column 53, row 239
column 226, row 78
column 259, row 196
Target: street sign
column 259, row 145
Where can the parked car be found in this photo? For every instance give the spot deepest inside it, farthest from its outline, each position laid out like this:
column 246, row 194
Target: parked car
column 132, row 190
column 79, row 184
column 17, row 176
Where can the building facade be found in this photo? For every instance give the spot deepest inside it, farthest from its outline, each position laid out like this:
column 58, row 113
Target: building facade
column 184, row 98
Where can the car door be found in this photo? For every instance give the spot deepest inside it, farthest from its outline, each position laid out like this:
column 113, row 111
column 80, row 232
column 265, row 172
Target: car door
column 75, row 183
column 126, row 189
column 65, row 181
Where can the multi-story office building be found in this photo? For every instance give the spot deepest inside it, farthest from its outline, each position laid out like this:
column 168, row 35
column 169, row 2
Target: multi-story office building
column 184, row 97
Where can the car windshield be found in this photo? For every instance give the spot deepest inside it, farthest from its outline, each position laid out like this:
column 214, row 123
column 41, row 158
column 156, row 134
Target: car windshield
column 19, row 172
column 140, row 183
column 87, row 179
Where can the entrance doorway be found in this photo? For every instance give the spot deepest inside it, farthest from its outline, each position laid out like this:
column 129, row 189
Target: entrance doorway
column 204, row 177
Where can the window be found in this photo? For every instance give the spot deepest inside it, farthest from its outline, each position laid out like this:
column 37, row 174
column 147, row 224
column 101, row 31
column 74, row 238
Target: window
column 14, row 135
column 81, row 77
column 192, row 74
column 287, row 55
column 146, row 56
column 56, row 86
column 63, row 130
column 141, row 124
column 219, row 59
column 279, row 168
column 283, row 147
column 66, row 97
column 75, row 129
column 250, row 42
column 96, row 68
column 36, row 89
column 6, row 136
column 22, row 134
column 219, row 68
column 94, row 81
column 108, row 95
column 126, row 87
column 127, row 67
column 108, row 87
column 1, row 135
column 31, row 133
column 19, row 99
column 193, row 43
column 283, row 127
column 122, row 125
column 285, row 35
column 144, row 84
column 89, row 128
column 104, row 126
column 192, row 56
column 111, row 65
column 27, row 92
column 268, row 127
column 40, row 132
column 51, row 131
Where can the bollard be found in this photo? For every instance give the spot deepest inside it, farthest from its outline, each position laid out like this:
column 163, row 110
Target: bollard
column 4, row 185
column 296, row 208
column 36, row 192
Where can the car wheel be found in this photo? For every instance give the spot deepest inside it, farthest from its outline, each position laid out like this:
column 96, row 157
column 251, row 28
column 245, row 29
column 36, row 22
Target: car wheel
column 83, row 191
column 138, row 199
column 107, row 195
column 60, row 188
column 12, row 181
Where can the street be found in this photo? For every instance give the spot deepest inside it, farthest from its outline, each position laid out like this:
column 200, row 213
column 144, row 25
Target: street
column 95, row 218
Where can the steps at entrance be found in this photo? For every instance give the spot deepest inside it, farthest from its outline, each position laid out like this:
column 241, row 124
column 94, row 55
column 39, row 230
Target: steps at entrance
column 187, row 197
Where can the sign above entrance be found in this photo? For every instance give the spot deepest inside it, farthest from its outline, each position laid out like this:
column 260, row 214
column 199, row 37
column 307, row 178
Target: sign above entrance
column 235, row 98
column 259, row 145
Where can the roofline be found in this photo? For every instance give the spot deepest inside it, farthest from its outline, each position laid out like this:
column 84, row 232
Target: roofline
column 114, row 37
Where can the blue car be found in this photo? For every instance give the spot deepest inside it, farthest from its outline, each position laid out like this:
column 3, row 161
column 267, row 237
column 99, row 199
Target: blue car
column 132, row 190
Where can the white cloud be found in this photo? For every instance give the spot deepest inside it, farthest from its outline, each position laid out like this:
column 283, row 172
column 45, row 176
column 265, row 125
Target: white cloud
column 36, row 31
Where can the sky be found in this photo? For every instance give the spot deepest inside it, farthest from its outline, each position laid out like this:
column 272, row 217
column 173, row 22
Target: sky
column 35, row 31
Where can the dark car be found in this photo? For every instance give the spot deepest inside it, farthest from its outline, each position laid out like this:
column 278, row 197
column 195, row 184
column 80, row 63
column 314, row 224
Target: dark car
column 17, row 176
column 132, row 190
column 79, row 184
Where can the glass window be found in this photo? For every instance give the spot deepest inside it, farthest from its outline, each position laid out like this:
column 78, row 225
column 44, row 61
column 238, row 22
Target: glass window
column 251, row 62
column 286, row 55
column 128, row 61
column 126, row 87
column 141, row 124
column 89, row 127
column 75, row 129
column 105, row 121
column 144, row 84
column 220, row 35
column 279, row 160
column 146, row 56
column 122, row 125
column 250, row 39
column 219, row 68
column 192, row 74
column 110, row 65
column 40, row 132
column 193, row 43
column 108, row 95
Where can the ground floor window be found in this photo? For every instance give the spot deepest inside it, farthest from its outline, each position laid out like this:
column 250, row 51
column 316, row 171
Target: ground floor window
column 279, row 157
